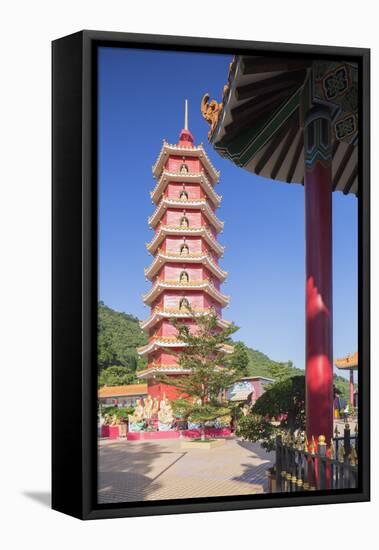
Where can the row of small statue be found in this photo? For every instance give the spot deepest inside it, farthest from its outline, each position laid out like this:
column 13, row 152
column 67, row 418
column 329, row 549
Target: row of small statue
column 151, row 408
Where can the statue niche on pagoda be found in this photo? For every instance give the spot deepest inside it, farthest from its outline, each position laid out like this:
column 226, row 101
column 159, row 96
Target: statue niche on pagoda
column 184, row 304
column 184, row 250
column 183, row 194
column 184, row 277
column 183, row 167
column 181, row 170
column 184, row 223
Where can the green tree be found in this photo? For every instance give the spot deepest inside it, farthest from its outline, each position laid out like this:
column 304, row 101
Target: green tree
column 281, row 371
column 284, row 398
column 116, row 376
column 284, row 402
column 212, row 365
column 261, row 365
column 342, row 386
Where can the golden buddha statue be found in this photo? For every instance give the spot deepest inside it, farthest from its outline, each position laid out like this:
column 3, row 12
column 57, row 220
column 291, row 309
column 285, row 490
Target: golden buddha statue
column 184, row 304
column 184, row 222
column 184, row 278
column 184, row 250
column 183, row 195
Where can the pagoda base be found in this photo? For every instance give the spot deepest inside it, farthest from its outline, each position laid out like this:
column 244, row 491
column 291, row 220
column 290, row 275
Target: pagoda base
column 112, row 432
column 148, row 436
column 161, row 390
column 176, row 434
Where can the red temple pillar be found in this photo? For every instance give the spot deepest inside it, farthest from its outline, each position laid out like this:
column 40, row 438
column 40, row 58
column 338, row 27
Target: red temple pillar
column 318, row 232
column 351, row 387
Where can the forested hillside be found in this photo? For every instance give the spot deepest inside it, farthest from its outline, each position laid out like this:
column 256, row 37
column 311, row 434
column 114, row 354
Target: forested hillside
column 119, row 334
column 261, row 365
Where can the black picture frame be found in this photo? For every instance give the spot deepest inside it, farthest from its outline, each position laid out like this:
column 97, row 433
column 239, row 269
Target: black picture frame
column 74, row 272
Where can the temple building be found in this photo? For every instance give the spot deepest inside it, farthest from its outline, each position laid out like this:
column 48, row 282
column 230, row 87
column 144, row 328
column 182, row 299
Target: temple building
column 349, row 363
column 122, row 396
column 185, row 269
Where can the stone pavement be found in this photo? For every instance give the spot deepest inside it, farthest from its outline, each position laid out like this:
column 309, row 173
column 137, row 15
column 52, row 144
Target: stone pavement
column 156, row 470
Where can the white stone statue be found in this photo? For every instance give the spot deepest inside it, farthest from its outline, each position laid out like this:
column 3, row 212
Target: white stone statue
column 148, row 409
column 138, row 414
column 165, row 414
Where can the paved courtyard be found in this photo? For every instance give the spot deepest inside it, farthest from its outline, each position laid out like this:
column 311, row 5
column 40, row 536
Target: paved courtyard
column 156, row 470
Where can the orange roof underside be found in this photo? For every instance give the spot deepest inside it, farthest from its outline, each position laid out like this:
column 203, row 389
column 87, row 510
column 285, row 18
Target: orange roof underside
column 348, row 362
column 118, row 391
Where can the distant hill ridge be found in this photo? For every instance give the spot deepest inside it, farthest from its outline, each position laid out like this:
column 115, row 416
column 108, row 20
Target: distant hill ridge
column 119, row 334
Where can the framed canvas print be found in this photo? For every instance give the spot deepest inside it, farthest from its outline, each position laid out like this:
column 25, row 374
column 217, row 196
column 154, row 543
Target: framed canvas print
column 210, row 275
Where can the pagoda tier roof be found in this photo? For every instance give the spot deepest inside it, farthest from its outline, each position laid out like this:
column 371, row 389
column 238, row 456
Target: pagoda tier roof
column 177, row 177
column 259, row 123
column 160, row 342
column 199, row 258
column 168, row 313
column 172, row 342
column 183, row 151
column 206, row 286
column 348, row 362
column 161, row 369
column 202, row 231
column 191, row 204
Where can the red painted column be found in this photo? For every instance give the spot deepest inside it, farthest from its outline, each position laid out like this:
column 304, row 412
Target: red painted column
column 351, row 388
column 318, row 233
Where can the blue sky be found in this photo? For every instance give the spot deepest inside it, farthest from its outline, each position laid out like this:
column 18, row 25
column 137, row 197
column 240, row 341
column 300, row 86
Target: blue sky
column 141, row 101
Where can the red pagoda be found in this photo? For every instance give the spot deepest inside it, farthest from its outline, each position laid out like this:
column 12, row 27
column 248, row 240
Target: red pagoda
column 185, row 269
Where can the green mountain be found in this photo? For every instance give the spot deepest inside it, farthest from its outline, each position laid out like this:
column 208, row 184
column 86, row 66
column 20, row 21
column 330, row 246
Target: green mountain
column 261, row 365
column 119, row 334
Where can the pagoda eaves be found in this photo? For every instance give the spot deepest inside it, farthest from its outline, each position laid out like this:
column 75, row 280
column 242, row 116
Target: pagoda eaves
column 206, row 286
column 189, row 204
column 162, row 342
column 159, row 313
column 165, row 230
column 194, row 151
column 199, row 177
column 200, row 257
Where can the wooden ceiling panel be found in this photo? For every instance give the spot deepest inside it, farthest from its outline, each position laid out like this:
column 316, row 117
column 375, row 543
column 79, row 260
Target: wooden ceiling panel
column 260, row 65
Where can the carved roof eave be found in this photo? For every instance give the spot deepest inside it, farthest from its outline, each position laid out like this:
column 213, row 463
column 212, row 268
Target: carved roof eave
column 162, row 342
column 161, row 369
column 206, row 286
column 202, row 231
column 161, row 258
column 263, row 133
column 159, row 314
column 179, row 150
column 177, row 177
column 157, row 343
column 200, row 204
column 348, row 362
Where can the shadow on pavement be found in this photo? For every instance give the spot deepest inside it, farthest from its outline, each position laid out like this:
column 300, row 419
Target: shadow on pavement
column 256, row 473
column 129, row 472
